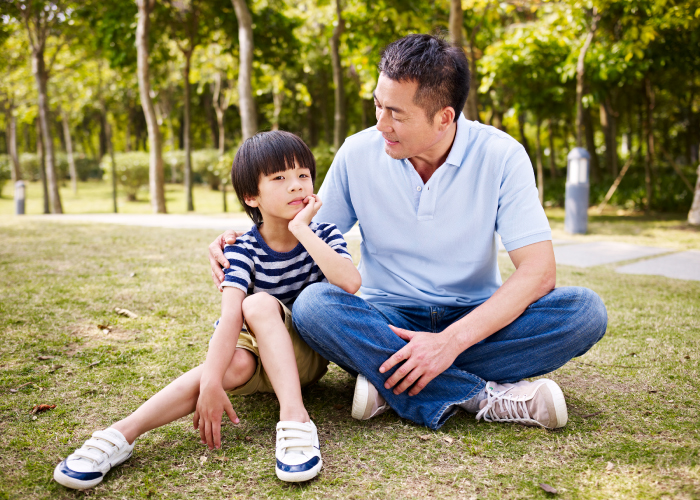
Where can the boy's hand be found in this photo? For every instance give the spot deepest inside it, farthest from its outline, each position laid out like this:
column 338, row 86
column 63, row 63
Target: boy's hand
column 216, row 255
column 211, row 405
column 303, row 219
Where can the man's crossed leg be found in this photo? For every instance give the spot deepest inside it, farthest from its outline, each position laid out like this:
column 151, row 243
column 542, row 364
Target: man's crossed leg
column 355, row 334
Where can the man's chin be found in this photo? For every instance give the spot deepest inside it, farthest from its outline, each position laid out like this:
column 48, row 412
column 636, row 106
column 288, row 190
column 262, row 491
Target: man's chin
column 396, row 155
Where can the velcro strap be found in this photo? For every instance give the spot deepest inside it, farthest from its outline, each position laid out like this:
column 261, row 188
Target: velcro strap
column 90, row 454
column 99, row 444
column 106, row 436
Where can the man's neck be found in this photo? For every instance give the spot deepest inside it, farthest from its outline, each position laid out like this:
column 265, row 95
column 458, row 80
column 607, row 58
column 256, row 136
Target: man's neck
column 429, row 161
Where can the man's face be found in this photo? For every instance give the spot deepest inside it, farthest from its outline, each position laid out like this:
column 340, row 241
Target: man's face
column 404, row 125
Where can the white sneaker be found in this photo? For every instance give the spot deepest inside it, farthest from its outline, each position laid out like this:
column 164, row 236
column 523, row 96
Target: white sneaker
column 539, row 403
column 87, row 466
column 298, row 451
column 367, row 402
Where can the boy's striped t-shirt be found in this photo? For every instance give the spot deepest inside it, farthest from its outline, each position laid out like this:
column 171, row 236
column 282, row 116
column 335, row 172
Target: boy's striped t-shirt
column 255, row 267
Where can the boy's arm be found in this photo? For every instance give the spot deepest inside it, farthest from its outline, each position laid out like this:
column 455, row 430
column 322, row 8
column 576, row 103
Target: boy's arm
column 339, row 270
column 213, row 401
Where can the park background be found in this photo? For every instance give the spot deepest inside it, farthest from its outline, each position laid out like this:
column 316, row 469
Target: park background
column 155, row 97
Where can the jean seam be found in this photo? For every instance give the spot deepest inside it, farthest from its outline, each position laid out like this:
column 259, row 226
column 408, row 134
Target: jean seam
column 477, row 389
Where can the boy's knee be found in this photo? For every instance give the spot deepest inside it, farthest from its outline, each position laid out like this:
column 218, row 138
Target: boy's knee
column 259, row 305
column 241, row 368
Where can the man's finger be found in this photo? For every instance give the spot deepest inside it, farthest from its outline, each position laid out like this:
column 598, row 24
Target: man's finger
column 407, row 381
column 403, row 371
column 404, row 334
column 420, row 385
column 231, row 236
column 396, row 358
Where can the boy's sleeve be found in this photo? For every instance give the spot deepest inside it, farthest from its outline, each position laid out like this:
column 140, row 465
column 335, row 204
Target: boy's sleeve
column 331, row 235
column 241, row 270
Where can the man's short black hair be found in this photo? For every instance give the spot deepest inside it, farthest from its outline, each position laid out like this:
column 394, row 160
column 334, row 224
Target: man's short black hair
column 440, row 69
column 263, row 154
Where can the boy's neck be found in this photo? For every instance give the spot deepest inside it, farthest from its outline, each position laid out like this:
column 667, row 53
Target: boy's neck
column 277, row 235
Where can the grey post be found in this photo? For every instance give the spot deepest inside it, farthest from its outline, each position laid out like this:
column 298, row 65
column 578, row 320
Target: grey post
column 20, row 194
column 577, row 188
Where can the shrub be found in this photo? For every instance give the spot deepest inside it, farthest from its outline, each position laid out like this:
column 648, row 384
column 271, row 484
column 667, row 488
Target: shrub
column 86, row 168
column 208, row 165
column 131, row 170
column 5, row 173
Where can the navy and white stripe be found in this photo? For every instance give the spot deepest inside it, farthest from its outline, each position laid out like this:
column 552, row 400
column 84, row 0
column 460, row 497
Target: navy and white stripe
column 255, row 267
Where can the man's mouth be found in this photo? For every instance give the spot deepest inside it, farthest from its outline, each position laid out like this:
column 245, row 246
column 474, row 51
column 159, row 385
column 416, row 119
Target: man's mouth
column 389, row 141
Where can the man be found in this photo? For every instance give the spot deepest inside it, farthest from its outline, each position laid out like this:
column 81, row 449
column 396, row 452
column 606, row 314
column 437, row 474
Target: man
column 435, row 330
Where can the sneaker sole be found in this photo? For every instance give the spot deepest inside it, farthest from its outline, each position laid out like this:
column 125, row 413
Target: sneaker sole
column 77, row 484
column 560, row 411
column 298, row 477
column 361, row 405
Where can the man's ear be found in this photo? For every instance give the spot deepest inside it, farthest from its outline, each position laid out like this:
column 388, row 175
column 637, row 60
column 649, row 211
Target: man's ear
column 251, row 201
column 446, row 117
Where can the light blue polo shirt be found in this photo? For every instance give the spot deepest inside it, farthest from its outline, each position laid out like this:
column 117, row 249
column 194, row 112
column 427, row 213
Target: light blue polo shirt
column 434, row 243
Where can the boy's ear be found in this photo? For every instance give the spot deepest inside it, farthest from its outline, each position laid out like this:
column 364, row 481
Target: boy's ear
column 251, row 201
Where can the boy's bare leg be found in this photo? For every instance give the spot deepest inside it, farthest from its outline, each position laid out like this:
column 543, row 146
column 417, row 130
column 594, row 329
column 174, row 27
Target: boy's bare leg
column 264, row 316
column 179, row 398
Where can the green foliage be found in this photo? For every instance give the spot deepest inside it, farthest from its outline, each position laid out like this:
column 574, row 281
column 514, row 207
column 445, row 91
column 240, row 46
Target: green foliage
column 86, row 167
column 324, row 155
column 131, row 171
column 5, row 172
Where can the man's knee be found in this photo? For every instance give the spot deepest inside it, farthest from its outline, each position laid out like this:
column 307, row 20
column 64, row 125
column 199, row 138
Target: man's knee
column 589, row 317
column 310, row 305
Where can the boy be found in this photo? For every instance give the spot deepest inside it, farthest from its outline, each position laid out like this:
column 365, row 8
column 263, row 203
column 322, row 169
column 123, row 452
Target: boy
column 273, row 174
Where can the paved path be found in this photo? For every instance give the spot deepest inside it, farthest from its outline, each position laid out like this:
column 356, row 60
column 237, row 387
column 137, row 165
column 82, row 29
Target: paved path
column 679, row 265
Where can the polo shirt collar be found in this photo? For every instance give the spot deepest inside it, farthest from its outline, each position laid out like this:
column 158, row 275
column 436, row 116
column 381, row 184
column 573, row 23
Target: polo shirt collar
column 459, row 145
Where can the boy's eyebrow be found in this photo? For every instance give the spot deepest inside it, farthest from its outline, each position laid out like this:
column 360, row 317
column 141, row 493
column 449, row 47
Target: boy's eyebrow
column 391, row 108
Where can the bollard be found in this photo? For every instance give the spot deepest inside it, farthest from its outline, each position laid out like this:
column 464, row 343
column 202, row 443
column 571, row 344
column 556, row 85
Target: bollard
column 20, row 193
column 577, row 189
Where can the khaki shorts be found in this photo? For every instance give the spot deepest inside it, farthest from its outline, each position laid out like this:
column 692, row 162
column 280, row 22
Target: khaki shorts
column 311, row 365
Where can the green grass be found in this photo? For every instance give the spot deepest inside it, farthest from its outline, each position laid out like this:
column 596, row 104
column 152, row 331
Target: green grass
column 633, row 399
column 96, row 197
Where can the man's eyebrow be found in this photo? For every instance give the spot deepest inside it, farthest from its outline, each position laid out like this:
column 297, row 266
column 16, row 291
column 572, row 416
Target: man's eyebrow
column 394, row 109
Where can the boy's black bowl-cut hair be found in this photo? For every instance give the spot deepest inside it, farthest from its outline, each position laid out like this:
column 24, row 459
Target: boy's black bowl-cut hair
column 267, row 153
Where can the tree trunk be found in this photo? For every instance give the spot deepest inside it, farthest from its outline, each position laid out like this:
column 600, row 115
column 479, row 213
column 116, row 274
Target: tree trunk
column 540, row 170
column 339, row 118
column 456, row 22
column 212, row 119
column 127, row 132
column 608, row 123
column 188, row 145
column 590, row 144
column 249, row 118
column 156, row 176
column 580, row 73
column 41, row 157
column 11, row 137
column 552, row 155
column 110, row 149
column 69, row 153
column 471, row 107
column 277, row 100
column 521, row 128
column 41, row 76
column 694, row 214
column 649, row 102
column 220, row 101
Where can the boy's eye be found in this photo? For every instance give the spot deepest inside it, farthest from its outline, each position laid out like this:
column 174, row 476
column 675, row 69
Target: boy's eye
column 303, row 175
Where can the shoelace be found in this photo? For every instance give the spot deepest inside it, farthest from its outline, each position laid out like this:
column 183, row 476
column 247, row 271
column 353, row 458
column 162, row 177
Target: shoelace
column 515, row 410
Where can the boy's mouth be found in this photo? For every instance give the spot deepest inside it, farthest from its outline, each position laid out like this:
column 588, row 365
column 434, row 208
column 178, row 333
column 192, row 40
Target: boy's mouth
column 296, row 201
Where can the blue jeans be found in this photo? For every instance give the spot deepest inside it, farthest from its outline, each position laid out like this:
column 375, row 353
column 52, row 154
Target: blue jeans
column 353, row 333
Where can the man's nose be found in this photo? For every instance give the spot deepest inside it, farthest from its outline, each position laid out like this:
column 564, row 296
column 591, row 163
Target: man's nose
column 383, row 121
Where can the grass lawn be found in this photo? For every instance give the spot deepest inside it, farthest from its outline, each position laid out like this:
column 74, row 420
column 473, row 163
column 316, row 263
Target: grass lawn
column 96, row 197
column 633, row 400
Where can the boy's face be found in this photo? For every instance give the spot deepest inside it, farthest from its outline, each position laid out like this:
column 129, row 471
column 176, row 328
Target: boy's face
column 281, row 195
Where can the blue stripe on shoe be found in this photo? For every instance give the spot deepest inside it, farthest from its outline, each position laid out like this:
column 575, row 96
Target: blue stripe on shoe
column 81, row 476
column 298, row 468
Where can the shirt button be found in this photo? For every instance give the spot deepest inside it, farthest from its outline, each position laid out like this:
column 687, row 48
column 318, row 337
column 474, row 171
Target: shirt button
column 418, row 188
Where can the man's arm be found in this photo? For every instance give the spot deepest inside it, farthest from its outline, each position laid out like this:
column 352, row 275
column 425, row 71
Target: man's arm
column 427, row 354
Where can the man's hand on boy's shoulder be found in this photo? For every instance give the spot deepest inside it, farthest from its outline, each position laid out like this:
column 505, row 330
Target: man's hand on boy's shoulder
column 217, row 261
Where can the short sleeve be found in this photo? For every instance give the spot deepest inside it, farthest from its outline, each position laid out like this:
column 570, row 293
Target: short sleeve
column 331, row 235
column 521, row 220
column 241, row 270
column 335, row 193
